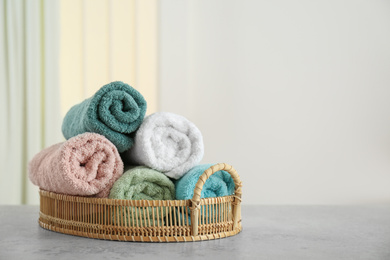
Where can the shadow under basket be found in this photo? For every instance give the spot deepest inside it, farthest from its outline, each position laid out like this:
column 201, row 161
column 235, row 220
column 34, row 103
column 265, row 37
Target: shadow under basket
column 146, row 220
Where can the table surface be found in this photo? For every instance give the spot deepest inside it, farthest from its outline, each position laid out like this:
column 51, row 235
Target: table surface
column 269, row 232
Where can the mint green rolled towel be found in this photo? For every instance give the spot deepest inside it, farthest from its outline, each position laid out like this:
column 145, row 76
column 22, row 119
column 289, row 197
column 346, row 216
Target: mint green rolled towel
column 142, row 183
column 115, row 111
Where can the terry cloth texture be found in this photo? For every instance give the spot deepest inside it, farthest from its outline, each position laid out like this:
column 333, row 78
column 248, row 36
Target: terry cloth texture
column 218, row 185
column 168, row 143
column 115, row 111
column 142, row 183
column 85, row 165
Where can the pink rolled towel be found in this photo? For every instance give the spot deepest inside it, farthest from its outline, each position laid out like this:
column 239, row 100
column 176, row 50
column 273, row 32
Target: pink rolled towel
column 85, row 165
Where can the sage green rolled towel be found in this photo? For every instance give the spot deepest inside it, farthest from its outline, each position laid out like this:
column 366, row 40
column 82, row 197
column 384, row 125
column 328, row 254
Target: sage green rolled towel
column 115, row 111
column 142, row 183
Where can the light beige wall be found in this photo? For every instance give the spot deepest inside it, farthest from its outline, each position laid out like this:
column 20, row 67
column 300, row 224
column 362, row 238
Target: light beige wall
column 104, row 41
column 294, row 94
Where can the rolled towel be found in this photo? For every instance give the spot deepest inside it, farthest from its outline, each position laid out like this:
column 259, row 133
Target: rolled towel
column 85, row 165
column 115, row 111
column 168, row 143
column 142, row 183
column 218, row 185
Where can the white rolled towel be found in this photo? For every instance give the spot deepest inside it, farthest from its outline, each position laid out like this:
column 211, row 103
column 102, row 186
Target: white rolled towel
column 168, row 143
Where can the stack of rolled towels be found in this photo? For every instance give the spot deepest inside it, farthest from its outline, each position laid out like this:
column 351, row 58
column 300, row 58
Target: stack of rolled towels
column 113, row 151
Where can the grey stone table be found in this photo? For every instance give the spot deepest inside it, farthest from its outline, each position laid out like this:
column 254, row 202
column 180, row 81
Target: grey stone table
column 269, row 232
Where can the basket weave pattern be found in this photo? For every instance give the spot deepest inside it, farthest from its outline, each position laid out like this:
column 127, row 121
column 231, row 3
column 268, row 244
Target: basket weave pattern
column 146, row 220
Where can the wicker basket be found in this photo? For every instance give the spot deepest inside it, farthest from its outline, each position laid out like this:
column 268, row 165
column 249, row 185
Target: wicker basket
column 146, row 220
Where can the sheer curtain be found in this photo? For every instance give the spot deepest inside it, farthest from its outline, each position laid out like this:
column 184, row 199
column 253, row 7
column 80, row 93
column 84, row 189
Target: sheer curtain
column 54, row 54
column 29, row 98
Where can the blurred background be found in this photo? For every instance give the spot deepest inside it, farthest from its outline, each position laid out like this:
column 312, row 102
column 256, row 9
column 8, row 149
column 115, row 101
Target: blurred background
column 294, row 94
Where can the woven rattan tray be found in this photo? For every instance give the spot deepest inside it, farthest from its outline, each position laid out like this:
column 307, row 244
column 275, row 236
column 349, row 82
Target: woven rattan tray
column 146, row 220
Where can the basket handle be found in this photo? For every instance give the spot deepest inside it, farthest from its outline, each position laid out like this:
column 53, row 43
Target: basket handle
column 198, row 189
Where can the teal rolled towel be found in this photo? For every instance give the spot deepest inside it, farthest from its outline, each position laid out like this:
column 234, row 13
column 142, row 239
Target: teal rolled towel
column 115, row 111
column 142, row 183
column 218, row 185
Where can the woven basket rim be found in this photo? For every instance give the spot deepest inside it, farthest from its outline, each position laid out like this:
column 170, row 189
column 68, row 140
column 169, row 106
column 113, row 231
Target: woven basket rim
column 139, row 203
